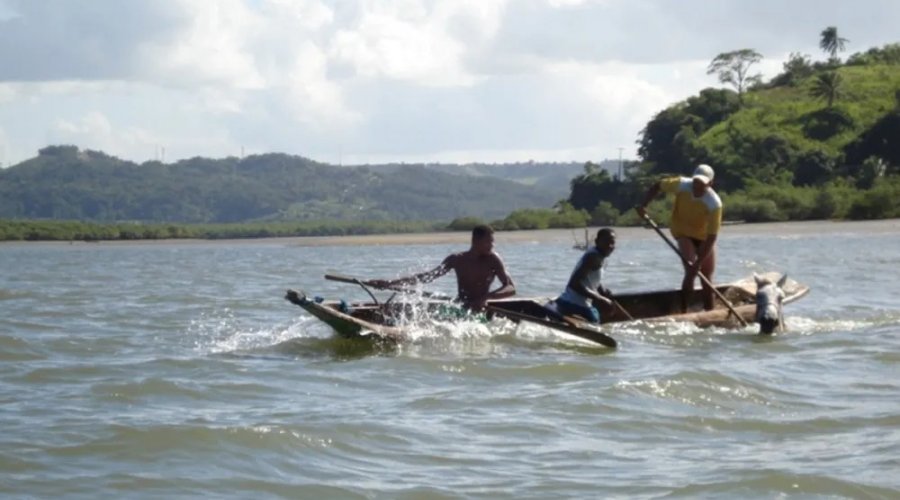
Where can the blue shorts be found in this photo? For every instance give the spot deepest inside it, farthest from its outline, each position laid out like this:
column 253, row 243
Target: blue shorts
column 567, row 308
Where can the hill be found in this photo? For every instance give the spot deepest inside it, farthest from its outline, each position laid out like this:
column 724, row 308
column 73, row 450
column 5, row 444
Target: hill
column 63, row 182
column 809, row 125
column 820, row 140
column 552, row 176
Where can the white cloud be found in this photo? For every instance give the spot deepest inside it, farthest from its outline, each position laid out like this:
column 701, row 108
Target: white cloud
column 313, row 99
column 213, row 48
column 94, row 130
column 565, row 3
column 92, row 124
column 308, row 15
column 7, row 92
column 416, row 79
column 484, row 156
column 5, row 149
column 401, row 41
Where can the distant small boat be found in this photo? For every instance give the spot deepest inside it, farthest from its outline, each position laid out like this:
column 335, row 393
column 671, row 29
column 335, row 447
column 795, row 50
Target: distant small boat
column 389, row 321
column 579, row 245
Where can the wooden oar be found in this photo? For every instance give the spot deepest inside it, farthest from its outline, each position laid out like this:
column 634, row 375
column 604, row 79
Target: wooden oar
column 568, row 325
column 356, row 281
column 702, row 276
column 348, row 279
column 619, row 306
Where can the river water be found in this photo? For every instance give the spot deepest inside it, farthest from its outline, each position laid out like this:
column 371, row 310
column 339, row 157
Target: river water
column 177, row 369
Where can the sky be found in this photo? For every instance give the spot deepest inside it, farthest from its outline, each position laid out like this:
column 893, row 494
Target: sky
column 366, row 81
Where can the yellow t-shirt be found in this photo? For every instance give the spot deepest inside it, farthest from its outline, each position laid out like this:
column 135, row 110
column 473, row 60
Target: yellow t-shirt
column 695, row 218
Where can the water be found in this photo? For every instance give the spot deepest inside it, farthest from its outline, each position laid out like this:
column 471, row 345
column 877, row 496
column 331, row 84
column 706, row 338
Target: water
column 177, row 369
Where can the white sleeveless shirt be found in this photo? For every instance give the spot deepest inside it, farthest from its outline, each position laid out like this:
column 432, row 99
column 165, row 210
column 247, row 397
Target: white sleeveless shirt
column 591, row 281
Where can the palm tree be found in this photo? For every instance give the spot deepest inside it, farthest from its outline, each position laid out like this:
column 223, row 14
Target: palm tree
column 831, row 42
column 827, row 86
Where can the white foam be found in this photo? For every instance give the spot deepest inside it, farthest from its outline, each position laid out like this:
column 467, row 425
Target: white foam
column 221, row 331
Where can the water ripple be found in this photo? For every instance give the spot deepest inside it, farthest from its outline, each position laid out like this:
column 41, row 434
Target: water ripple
column 177, row 369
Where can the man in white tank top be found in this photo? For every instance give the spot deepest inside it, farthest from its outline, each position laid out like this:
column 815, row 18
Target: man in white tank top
column 584, row 292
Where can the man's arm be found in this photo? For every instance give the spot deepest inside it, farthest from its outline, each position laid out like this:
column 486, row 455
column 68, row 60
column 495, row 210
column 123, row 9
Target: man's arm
column 651, row 194
column 423, row 277
column 588, row 265
column 507, row 287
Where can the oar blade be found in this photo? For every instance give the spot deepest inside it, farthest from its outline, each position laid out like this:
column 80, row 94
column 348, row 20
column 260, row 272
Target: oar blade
column 342, row 279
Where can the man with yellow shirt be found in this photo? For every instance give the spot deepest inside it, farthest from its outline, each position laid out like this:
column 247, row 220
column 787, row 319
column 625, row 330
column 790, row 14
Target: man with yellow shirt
column 696, row 219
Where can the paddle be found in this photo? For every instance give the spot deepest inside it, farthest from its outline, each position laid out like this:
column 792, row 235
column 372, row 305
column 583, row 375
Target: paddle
column 572, row 326
column 702, row 276
column 356, row 281
column 348, row 279
column 622, row 309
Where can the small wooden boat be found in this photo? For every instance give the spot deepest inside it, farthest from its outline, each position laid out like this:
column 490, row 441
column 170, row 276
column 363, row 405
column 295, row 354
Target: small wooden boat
column 666, row 305
column 390, row 321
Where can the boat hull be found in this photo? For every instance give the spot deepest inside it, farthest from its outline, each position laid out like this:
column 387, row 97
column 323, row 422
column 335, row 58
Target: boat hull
column 388, row 322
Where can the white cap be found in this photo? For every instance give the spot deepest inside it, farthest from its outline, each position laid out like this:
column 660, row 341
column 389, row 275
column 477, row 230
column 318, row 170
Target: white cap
column 704, row 173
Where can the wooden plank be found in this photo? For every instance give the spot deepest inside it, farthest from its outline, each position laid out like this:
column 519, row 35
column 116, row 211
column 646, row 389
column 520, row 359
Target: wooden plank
column 571, row 326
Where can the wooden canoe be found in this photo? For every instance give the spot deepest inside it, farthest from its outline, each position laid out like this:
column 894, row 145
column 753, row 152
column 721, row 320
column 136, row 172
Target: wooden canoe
column 666, row 305
column 388, row 322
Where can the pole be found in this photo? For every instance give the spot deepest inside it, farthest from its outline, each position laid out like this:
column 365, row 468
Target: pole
column 621, row 170
column 702, row 276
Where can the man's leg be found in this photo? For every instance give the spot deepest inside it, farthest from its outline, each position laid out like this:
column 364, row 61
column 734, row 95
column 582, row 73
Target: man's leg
column 708, row 268
column 567, row 309
column 689, row 252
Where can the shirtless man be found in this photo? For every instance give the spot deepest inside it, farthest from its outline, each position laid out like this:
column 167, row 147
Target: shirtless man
column 475, row 269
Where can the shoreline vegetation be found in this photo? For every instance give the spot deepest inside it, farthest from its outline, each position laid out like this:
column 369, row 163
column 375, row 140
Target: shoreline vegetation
column 565, row 236
column 64, row 230
column 335, row 231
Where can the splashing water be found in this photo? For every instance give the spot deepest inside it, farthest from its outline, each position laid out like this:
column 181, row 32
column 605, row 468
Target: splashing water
column 222, row 331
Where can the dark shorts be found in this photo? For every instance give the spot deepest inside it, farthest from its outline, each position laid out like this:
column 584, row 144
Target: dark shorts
column 694, row 241
column 567, row 308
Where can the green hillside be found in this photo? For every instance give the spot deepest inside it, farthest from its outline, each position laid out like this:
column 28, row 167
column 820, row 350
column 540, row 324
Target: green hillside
column 820, row 140
column 63, row 182
column 779, row 127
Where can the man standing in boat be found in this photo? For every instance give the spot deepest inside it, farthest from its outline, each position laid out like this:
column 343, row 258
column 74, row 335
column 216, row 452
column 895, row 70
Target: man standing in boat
column 696, row 219
column 475, row 269
column 584, row 293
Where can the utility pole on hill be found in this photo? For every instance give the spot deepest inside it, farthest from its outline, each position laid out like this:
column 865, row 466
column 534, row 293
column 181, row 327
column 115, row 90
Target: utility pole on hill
column 621, row 173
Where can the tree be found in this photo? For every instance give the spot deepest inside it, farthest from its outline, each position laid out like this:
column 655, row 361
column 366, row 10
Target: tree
column 871, row 170
column 796, row 68
column 733, row 68
column 831, row 43
column 827, row 86
column 889, row 54
column 712, row 106
column 814, row 168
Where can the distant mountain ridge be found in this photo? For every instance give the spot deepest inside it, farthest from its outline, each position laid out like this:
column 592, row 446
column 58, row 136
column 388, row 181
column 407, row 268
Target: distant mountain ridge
column 554, row 176
column 64, row 182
